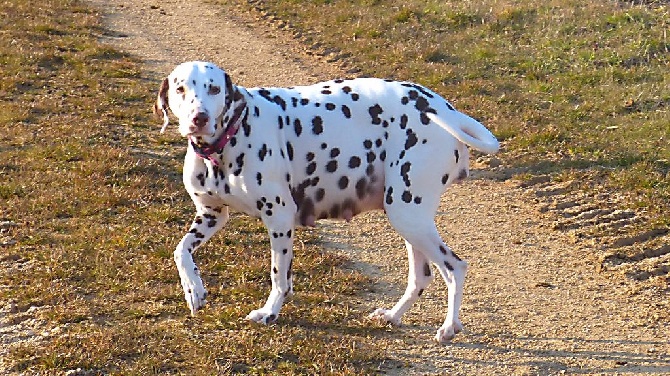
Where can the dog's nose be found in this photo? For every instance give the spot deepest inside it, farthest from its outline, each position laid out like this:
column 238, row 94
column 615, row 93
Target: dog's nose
column 200, row 119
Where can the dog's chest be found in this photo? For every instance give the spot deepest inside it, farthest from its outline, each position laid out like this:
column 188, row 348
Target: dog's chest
column 218, row 185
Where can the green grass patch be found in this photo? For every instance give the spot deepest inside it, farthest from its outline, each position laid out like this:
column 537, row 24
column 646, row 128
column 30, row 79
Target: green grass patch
column 572, row 88
column 95, row 218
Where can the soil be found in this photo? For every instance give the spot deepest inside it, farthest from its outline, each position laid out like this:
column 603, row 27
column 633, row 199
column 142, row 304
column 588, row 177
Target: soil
column 543, row 294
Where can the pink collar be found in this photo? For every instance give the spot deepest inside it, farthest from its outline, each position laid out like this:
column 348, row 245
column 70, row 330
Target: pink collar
column 207, row 152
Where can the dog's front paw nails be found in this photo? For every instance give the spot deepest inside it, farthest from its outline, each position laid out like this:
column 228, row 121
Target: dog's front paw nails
column 262, row 316
column 195, row 294
column 383, row 315
column 447, row 332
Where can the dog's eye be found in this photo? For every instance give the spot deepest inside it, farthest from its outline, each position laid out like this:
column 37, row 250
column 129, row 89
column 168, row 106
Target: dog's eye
column 214, row 90
column 180, row 90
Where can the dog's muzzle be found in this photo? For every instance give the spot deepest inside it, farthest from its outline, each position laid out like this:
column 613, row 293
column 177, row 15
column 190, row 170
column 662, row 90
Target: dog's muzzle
column 200, row 120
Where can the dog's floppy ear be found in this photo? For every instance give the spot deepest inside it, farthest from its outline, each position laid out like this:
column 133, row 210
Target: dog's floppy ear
column 230, row 91
column 234, row 98
column 161, row 106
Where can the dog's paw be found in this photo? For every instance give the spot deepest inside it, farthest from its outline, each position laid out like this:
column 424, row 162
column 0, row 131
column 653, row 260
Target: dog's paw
column 262, row 316
column 195, row 294
column 383, row 315
column 447, row 332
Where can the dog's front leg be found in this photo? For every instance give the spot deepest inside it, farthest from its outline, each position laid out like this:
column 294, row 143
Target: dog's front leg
column 206, row 223
column 281, row 241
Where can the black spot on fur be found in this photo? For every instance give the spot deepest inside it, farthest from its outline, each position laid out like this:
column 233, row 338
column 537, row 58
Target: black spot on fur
column 346, row 111
column 456, row 155
column 297, row 126
column 448, row 265
column 240, row 163
column 289, row 151
column 343, row 183
column 259, row 178
column 407, row 196
column 403, row 121
column 375, row 111
column 426, row 270
column 361, row 185
column 334, row 152
column 424, row 118
column 280, row 101
column 331, row 166
column 317, row 125
column 320, row 193
column 354, row 162
column 389, row 196
column 423, row 106
column 263, row 152
column 404, row 172
column 310, row 168
column 330, row 106
column 411, row 139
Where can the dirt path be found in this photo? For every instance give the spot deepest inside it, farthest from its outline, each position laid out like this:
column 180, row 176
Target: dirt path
column 536, row 300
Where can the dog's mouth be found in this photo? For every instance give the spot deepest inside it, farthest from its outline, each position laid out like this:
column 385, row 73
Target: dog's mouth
column 199, row 133
column 202, row 131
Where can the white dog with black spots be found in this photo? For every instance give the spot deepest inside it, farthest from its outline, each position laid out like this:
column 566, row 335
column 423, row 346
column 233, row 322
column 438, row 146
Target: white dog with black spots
column 291, row 156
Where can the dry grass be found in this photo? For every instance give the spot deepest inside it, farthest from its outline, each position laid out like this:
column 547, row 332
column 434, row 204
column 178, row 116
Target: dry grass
column 92, row 206
column 578, row 90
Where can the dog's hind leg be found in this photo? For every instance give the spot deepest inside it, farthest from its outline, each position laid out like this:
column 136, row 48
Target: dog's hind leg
column 206, row 223
column 416, row 225
column 418, row 278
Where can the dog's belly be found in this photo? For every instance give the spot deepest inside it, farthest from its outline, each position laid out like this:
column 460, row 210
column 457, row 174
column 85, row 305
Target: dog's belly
column 337, row 197
column 338, row 173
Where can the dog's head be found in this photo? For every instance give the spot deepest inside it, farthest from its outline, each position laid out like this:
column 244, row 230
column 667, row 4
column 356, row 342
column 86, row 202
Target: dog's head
column 198, row 94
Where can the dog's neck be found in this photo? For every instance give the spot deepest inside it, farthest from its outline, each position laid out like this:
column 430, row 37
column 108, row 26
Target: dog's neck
column 206, row 147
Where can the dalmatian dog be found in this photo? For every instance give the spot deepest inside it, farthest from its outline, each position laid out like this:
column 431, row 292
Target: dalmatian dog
column 291, row 156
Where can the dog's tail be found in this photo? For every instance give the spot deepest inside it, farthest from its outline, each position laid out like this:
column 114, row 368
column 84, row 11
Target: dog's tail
column 468, row 130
